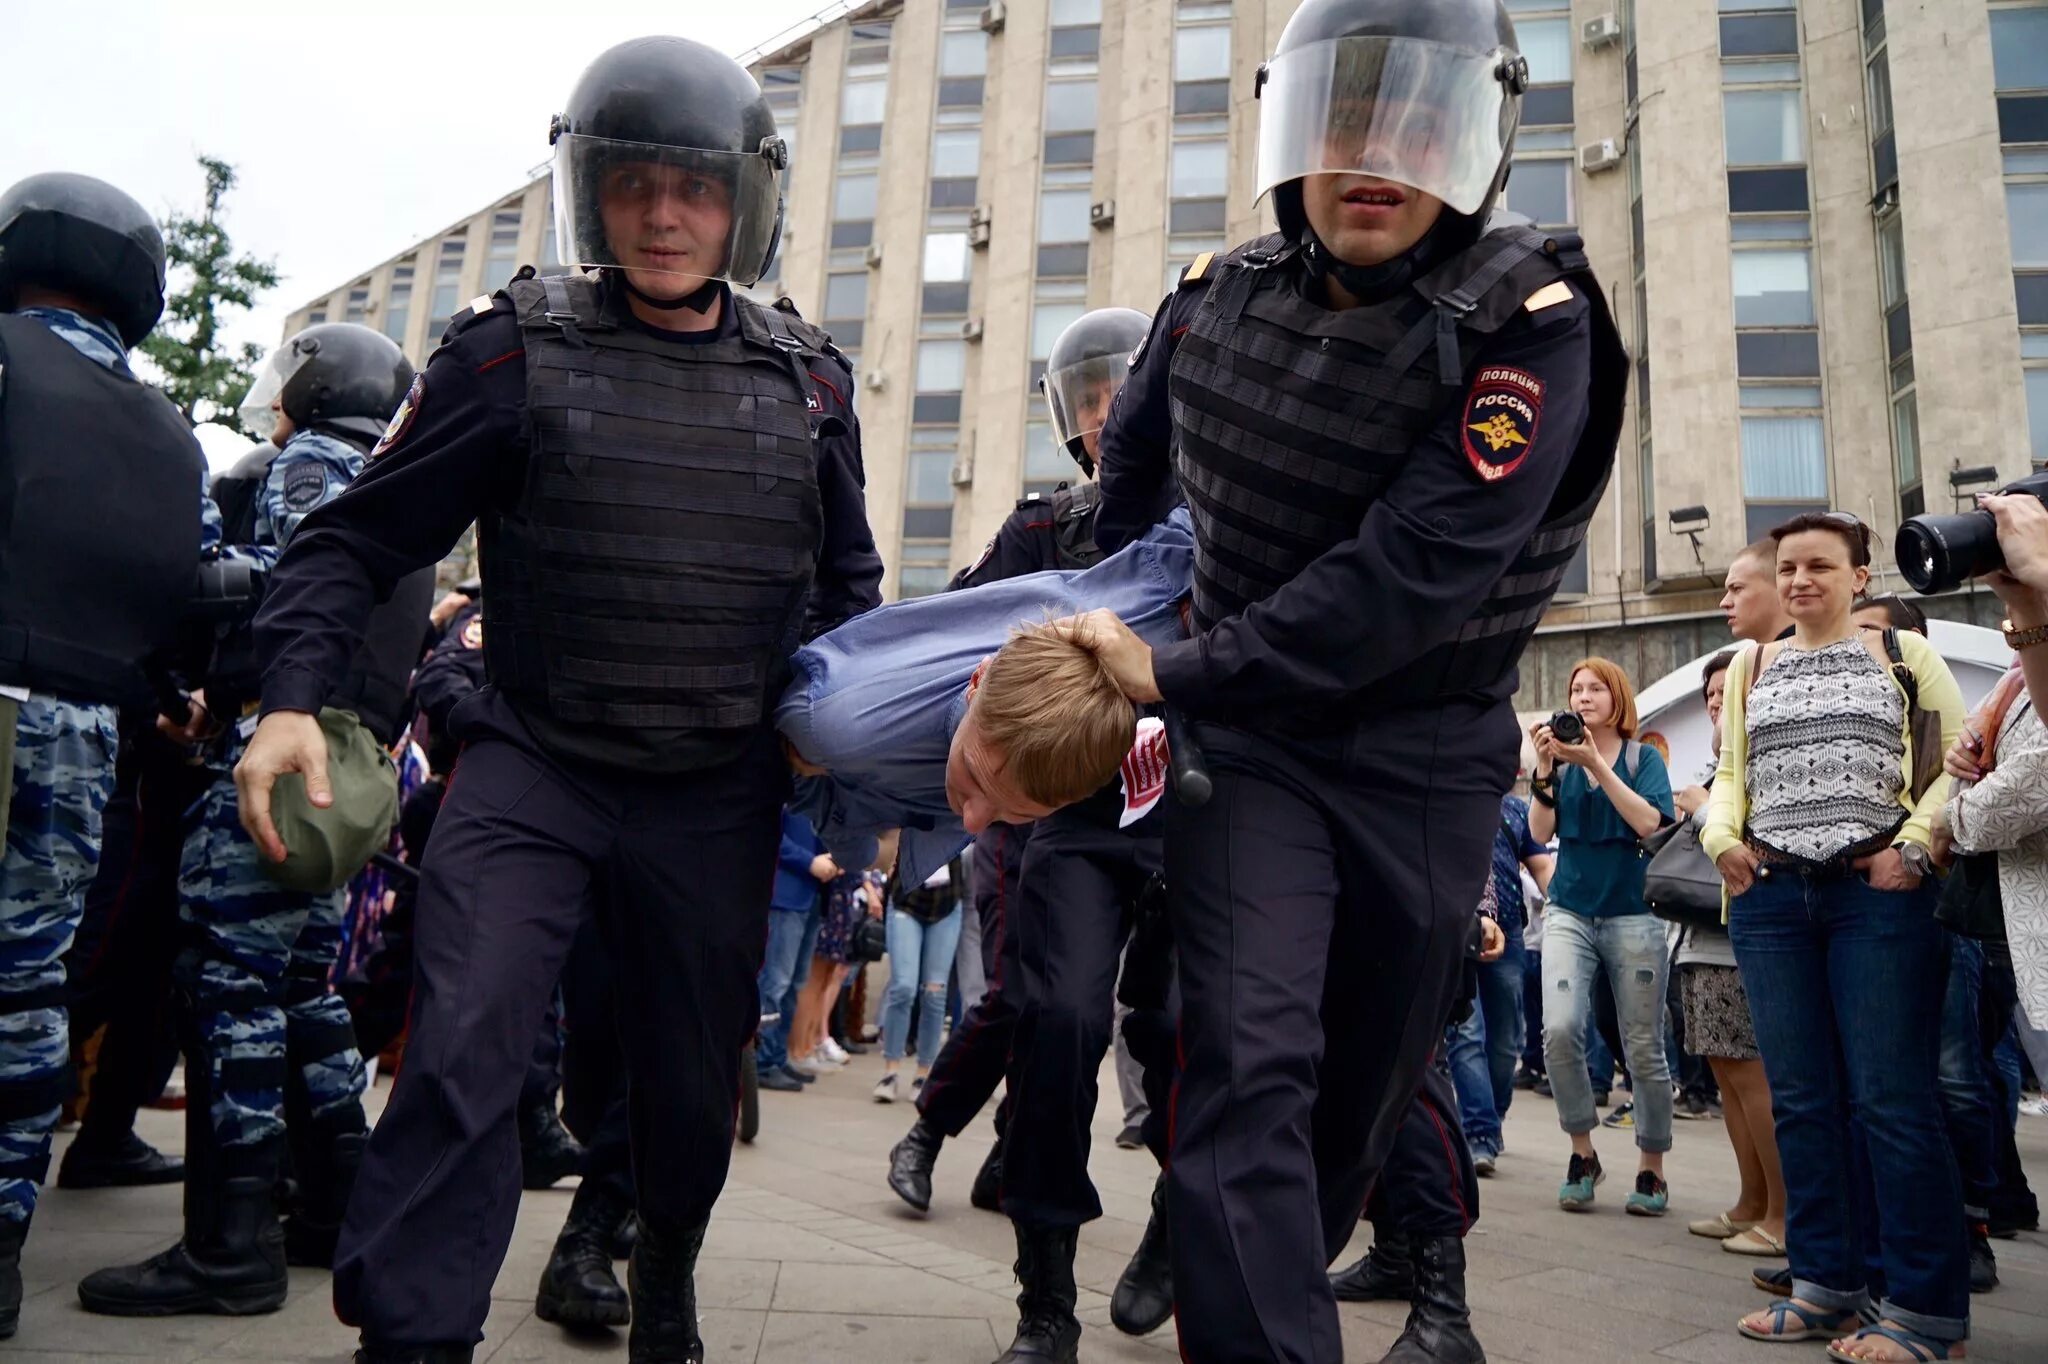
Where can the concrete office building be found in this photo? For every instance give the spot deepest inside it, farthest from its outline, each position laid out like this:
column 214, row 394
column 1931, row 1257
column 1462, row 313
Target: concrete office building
column 1822, row 224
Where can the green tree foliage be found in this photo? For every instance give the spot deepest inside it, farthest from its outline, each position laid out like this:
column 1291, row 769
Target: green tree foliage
column 203, row 374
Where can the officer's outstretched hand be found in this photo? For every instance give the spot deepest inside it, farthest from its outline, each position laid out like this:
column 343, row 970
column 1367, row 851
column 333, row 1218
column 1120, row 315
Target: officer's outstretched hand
column 285, row 741
column 1117, row 647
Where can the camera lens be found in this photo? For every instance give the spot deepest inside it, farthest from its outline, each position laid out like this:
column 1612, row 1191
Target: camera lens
column 1936, row 553
column 1567, row 727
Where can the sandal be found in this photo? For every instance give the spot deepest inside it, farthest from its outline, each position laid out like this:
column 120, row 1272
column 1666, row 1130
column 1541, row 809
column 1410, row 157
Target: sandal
column 1814, row 1324
column 1720, row 1227
column 1920, row 1349
column 1755, row 1241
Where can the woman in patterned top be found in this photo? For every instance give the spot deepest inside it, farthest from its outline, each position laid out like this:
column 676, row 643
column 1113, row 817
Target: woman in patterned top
column 1823, row 844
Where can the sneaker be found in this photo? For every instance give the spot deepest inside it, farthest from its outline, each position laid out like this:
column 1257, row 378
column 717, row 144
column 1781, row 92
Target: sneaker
column 1580, row 1178
column 1526, row 1078
column 1131, row 1138
column 917, row 1086
column 885, row 1089
column 793, row 1073
column 2035, row 1108
column 806, row 1066
column 1983, row 1264
column 1652, row 1195
column 782, row 1080
column 1623, row 1117
column 833, row 1052
column 822, row 1061
column 1600, row 1098
column 1483, row 1161
column 1692, row 1107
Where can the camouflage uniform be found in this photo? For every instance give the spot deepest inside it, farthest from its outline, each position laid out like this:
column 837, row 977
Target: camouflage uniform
column 256, row 974
column 63, row 777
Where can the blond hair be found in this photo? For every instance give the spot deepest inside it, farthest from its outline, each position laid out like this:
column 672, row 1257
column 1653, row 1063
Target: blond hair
column 1056, row 715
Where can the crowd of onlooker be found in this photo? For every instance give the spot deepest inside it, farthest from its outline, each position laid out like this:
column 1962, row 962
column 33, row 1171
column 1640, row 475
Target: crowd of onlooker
column 1863, row 995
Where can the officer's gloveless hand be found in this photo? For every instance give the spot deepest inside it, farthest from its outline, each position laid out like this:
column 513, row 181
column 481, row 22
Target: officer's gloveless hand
column 285, row 741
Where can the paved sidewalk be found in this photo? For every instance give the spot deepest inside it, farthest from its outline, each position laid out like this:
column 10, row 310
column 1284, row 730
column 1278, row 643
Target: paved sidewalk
column 812, row 1260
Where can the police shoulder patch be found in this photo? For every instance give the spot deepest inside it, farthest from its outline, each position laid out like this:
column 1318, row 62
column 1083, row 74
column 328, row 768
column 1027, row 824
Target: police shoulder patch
column 1502, row 413
column 305, row 484
column 401, row 420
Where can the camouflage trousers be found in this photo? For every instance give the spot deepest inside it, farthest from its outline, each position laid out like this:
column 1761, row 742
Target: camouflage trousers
column 254, row 975
column 63, row 777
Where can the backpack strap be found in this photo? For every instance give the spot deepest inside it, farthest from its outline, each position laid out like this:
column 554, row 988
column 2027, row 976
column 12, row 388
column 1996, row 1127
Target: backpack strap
column 1907, row 682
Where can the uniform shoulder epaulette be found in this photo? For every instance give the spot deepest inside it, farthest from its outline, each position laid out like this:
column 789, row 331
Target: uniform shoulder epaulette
column 1030, row 501
column 1549, row 296
column 782, row 316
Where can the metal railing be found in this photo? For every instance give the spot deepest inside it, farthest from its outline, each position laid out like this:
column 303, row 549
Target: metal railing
column 804, row 28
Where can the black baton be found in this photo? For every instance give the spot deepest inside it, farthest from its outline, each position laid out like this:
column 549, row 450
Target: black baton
column 1191, row 783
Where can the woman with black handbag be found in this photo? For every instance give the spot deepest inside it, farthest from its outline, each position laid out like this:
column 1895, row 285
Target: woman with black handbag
column 1718, row 1027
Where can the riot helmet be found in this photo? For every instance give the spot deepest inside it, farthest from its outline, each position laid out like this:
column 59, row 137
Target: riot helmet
column 341, row 377
column 1088, row 364
column 82, row 236
column 667, row 163
column 257, row 415
column 1424, row 93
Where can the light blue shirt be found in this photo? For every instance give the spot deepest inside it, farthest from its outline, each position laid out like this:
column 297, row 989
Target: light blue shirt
column 876, row 701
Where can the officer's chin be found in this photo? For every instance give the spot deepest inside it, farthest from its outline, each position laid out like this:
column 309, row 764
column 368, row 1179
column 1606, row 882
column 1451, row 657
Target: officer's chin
column 663, row 284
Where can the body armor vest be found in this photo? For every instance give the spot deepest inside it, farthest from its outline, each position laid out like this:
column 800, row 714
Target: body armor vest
column 653, row 574
column 99, row 520
column 379, row 675
column 1073, row 526
column 1290, row 420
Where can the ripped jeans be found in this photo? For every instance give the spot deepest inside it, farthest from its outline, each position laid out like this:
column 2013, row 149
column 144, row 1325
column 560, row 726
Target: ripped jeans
column 1636, row 956
column 920, row 960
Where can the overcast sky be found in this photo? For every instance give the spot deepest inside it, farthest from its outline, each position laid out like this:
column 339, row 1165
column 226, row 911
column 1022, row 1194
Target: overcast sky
column 357, row 128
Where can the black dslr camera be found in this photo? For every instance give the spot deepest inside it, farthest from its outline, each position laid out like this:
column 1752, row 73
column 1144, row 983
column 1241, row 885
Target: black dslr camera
column 1937, row 553
column 1567, row 728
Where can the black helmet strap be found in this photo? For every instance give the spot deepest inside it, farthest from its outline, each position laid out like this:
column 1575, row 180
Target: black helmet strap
column 697, row 301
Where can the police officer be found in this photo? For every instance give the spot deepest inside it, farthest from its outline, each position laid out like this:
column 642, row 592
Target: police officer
column 103, row 537
column 667, row 482
column 1392, row 422
column 269, row 1051
column 1051, row 1002
column 1085, row 368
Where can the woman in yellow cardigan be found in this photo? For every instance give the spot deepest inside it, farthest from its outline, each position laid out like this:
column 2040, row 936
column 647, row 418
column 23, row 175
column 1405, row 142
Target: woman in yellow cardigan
column 1823, row 844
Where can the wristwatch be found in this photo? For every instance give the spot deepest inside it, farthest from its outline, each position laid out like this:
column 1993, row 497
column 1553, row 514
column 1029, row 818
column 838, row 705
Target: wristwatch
column 1917, row 859
column 2016, row 638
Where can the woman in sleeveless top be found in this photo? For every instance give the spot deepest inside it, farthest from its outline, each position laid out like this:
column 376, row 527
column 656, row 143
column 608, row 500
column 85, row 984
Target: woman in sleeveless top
column 1823, row 844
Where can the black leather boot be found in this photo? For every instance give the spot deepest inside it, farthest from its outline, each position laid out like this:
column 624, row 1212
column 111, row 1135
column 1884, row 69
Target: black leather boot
column 12, row 1234
column 1439, row 1329
column 1144, row 1295
column 910, row 1164
column 327, row 1177
column 230, row 1262
column 987, row 1193
column 1386, row 1274
column 664, row 1283
column 547, row 1153
column 129, row 1162
column 578, row 1288
column 626, row 1236
column 415, row 1354
column 1047, row 1330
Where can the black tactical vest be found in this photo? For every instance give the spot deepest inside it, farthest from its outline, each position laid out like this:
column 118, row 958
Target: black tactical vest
column 1291, row 419
column 379, row 675
column 99, row 520
column 654, row 572
column 1073, row 525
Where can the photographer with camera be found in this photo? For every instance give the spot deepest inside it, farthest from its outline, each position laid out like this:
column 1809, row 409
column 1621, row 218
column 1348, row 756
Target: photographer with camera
column 1599, row 792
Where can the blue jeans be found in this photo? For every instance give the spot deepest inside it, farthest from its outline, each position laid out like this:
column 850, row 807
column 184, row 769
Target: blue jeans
column 1532, row 1011
column 1846, row 986
column 784, row 967
column 1967, row 1097
column 1483, row 1050
column 920, row 958
column 1630, row 951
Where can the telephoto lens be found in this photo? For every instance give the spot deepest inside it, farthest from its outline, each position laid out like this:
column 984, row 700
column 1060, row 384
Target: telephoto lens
column 1940, row 553
column 1567, row 728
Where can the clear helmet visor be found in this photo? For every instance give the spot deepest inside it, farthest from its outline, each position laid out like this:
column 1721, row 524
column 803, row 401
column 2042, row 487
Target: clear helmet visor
column 258, row 418
column 1435, row 118
column 1078, row 396
column 658, row 211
